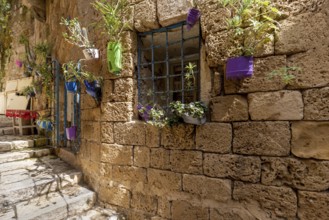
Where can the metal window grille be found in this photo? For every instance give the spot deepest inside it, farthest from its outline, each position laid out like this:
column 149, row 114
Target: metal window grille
column 163, row 55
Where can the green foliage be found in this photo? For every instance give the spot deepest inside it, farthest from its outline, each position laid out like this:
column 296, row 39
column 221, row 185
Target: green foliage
column 114, row 15
column 189, row 75
column 284, row 75
column 27, row 91
column 72, row 73
column 253, row 20
column 193, row 109
column 5, row 36
column 75, row 34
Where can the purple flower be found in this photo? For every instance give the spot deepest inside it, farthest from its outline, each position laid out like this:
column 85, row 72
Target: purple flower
column 19, row 63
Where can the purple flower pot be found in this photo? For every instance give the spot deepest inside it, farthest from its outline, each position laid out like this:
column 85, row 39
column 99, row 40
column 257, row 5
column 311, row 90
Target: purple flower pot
column 193, row 16
column 239, row 67
column 71, row 133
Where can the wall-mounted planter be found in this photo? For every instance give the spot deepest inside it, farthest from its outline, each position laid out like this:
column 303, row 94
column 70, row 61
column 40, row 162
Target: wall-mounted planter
column 91, row 53
column 194, row 121
column 44, row 124
column 239, row 67
column 114, row 57
column 71, row 133
column 71, row 86
column 94, row 89
column 193, row 16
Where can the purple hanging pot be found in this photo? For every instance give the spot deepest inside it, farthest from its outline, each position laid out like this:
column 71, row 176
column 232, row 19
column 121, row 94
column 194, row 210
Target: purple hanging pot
column 71, row 133
column 239, row 67
column 193, row 16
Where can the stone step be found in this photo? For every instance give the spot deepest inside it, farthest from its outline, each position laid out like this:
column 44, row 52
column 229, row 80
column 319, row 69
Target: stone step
column 23, row 180
column 24, row 154
column 6, row 131
column 8, row 143
column 57, row 205
column 98, row 213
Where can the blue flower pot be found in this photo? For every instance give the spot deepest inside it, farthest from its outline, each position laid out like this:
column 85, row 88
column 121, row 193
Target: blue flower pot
column 71, row 86
column 94, row 89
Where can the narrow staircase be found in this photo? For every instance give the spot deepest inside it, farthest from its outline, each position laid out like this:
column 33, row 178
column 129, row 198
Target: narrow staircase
column 35, row 184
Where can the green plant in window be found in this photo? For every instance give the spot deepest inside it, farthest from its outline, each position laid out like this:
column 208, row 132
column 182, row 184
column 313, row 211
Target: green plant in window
column 193, row 109
column 284, row 73
column 189, row 75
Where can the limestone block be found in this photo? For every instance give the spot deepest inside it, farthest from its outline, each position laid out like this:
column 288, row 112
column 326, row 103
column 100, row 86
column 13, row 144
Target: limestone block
column 279, row 202
column 118, row 111
column 302, row 33
column 229, row 108
column 91, row 131
column 186, row 161
column 172, row 11
column 301, row 174
column 219, row 47
column 214, row 137
column 217, row 85
column 282, row 105
column 310, row 140
column 178, row 137
column 160, row 158
column 186, row 210
column 232, row 166
column 260, row 80
column 107, row 91
column 207, row 188
column 153, row 136
column 128, row 174
column 162, row 182
column 262, row 138
column 164, row 207
column 87, row 102
column 236, row 212
column 313, row 205
column 115, row 195
column 296, row 7
column 141, row 156
column 107, row 135
column 316, row 104
column 129, row 133
column 116, row 154
column 145, row 16
column 90, row 114
column 128, row 64
column 144, row 202
column 210, row 21
column 95, row 151
column 105, row 170
column 314, row 67
column 123, row 90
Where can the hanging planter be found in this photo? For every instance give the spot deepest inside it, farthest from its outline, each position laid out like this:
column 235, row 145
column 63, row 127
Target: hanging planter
column 71, row 133
column 94, row 89
column 114, row 57
column 91, row 53
column 239, row 67
column 71, row 86
column 45, row 124
column 192, row 120
column 193, row 16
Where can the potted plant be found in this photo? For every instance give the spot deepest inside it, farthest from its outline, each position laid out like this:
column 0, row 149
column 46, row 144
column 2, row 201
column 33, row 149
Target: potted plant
column 114, row 14
column 79, row 36
column 93, row 85
column 70, row 75
column 251, row 26
column 192, row 113
column 28, row 91
column 153, row 114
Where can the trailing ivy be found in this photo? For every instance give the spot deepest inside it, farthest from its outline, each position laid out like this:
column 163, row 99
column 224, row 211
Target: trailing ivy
column 5, row 36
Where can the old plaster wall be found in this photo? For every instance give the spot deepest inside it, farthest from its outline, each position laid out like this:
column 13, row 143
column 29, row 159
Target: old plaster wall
column 263, row 154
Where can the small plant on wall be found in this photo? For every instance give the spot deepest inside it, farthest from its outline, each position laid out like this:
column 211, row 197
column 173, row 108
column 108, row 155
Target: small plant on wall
column 251, row 27
column 285, row 74
column 114, row 14
column 78, row 36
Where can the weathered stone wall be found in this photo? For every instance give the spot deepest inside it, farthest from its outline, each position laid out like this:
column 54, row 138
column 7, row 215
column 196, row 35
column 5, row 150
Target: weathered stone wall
column 264, row 152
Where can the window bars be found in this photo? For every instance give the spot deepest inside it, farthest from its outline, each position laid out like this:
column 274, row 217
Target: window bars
column 163, row 55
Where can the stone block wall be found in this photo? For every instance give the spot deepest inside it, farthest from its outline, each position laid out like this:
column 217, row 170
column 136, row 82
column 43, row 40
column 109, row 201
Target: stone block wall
column 264, row 151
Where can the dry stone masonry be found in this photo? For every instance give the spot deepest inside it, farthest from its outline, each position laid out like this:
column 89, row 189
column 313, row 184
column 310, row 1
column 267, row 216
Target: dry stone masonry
column 264, row 151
